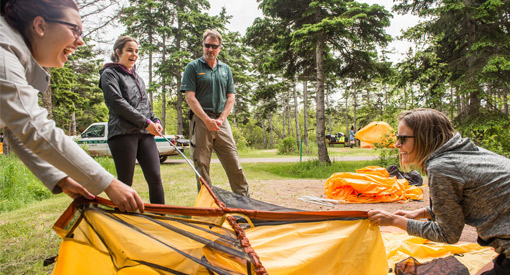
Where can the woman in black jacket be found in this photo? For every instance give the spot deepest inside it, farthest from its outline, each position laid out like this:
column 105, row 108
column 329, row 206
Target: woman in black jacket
column 132, row 125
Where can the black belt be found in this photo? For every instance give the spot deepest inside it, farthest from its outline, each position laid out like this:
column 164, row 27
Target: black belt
column 212, row 114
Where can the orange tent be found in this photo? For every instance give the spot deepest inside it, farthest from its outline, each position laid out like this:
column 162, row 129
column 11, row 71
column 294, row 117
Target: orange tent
column 377, row 132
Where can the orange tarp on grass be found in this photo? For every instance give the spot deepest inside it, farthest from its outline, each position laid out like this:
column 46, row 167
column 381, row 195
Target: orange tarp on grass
column 371, row 184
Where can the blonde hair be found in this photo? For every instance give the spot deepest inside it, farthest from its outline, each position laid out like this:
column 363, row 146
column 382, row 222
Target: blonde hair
column 431, row 128
column 119, row 45
column 212, row 33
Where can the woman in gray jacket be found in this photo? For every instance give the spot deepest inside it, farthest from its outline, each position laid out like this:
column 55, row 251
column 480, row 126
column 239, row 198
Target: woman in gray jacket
column 468, row 185
column 132, row 124
column 36, row 34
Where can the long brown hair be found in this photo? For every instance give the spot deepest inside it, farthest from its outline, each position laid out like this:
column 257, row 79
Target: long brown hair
column 119, row 45
column 20, row 14
column 431, row 128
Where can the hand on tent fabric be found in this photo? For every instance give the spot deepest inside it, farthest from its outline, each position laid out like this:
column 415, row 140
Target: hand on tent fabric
column 385, row 218
column 73, row 189
column 124, row 197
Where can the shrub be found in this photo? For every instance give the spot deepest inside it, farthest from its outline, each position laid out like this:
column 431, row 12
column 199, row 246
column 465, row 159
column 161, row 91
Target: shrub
column 310, row 150
column 240, row 139
column 287, row 146
column 489, row 130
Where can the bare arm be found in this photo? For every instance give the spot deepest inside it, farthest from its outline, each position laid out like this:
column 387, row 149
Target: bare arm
column 231, row 99
column 384, row 218
column 198, row 111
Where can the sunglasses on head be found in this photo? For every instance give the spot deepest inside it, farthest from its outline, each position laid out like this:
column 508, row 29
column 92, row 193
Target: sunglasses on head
column 402, row 139
column 211, row 45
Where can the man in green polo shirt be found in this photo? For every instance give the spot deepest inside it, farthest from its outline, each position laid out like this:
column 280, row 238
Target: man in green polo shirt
column 210, row 93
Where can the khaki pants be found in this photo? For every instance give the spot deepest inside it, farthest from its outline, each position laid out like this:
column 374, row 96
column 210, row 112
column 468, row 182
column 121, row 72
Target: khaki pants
column 222, row 142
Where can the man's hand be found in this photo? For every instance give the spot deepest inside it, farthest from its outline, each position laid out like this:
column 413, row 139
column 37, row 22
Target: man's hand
column 219, row 121
column 212, row 124
column 73, row 189
column 124, row 197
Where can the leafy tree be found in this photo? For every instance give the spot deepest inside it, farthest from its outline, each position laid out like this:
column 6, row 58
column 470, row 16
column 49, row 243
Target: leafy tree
column 75, row 91
column 334, row 29
column 469, row 37
column 141, row 22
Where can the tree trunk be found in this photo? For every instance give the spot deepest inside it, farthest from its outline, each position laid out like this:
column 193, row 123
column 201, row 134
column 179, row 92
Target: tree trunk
column 151, row 96
column 264, row 134
column 178, row 104
column 289, row 125
column 305, row 112
column 163, row 87
column 347, row 111
column 283, row 115
column 178, row 107
column 271, row 134
column 355, row 108
column 296, row 114
column 474, row 97
column 321, row 138
column 328, row 110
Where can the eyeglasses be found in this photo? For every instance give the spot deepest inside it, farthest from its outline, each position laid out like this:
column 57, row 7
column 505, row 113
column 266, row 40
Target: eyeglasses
column 211, row 45
column 77, row 32
column 402, row 139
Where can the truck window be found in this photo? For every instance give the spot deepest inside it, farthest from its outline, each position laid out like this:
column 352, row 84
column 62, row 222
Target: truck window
column 95, row 131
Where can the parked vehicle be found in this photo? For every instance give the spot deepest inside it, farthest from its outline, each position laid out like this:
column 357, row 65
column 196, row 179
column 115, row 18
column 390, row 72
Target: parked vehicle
column 94, row 141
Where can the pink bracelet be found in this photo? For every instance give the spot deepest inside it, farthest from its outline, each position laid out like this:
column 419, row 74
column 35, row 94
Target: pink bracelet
column 149, row 121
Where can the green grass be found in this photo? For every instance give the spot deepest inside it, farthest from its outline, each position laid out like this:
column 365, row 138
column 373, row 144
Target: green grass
column 26, row 234
column 307, row 170
column 18, row 185
column 332, row 152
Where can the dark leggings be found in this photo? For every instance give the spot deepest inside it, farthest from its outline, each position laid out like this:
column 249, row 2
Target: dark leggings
column 125, row 149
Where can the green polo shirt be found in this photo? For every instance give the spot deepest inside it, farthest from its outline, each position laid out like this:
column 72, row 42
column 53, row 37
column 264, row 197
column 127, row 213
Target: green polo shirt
column 211, row 86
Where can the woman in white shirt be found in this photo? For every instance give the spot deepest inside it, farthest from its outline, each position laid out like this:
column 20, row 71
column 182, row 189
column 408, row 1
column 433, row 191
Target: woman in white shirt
column 36, row 34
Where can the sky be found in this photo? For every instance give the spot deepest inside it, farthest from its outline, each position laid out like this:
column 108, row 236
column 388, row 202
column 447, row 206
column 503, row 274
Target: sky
column 245, row 11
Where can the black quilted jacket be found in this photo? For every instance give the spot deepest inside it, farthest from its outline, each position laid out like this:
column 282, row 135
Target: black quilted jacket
column 126, row 99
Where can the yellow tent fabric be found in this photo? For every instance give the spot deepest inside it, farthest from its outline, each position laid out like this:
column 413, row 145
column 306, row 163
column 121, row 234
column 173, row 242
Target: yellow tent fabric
column 102, row 240
column 400, row 246
column 377, row 132
column 370, row 185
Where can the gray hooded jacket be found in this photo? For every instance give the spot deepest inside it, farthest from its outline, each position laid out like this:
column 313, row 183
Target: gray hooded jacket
column 468, row 185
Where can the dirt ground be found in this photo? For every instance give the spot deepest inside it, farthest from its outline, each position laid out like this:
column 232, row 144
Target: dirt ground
column 288, row 193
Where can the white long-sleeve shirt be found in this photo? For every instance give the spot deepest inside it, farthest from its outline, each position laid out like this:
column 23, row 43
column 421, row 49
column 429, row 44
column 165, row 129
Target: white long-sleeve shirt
column 44, row 148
